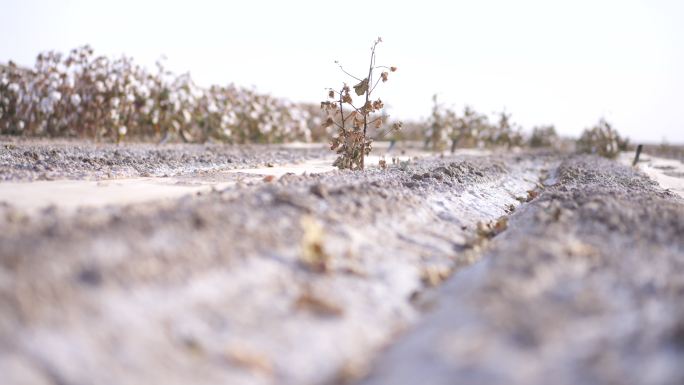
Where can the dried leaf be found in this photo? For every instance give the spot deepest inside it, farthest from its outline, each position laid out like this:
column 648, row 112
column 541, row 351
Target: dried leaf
column 334, row 143
column 531, row 195
column 435, row 274
column 357, row 122
column 318, row 305
column 313, row 256
column 501, row 225
column 329, row 122
column 247, row 358
column 368, row 107
column 362, row 87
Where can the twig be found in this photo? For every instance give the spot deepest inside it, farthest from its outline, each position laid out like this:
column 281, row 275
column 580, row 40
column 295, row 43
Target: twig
column 340, row 65
column 368, row 92
column 375, row 85
column 341, row 108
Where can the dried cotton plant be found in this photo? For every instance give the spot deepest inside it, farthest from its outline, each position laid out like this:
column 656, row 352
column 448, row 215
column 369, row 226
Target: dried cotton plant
column 352, row 119
column 602, row 139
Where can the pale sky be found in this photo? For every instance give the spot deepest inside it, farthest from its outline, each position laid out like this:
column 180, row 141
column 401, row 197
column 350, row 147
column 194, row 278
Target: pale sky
column 547, row 62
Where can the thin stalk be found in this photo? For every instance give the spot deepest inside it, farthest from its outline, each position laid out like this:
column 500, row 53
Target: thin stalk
column 340, row 65
column 342, row 110
column 365, row 116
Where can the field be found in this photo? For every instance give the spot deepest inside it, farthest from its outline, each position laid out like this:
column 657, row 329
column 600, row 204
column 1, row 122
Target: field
column 154, row 231
column 263, row 264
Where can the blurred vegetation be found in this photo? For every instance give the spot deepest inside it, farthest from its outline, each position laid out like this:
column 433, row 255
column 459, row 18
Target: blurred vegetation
column 470, row 129
column 544, row 136
column 83, row 95
column 602, row 139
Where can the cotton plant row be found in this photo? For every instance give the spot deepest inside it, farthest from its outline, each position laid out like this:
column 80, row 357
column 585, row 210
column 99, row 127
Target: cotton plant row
column 469, row 129
column 473, row 129
column 602, row 139
column 83, row 95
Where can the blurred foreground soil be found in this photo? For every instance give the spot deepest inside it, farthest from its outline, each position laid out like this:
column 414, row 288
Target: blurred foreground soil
column 261, row 265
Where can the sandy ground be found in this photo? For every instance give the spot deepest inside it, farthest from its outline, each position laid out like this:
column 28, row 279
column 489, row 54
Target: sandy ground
column 668, row 172
column 32, row 159
column 586, row 287
column 274, row 268
column 70, row 194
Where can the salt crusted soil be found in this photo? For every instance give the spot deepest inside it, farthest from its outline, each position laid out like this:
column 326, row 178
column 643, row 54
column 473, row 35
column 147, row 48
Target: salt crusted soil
column 586, row 287
column 474, row 269
column 42, row 159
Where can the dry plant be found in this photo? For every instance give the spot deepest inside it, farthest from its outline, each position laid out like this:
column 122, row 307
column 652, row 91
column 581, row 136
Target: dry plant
column 602, row 139
column 470, row 129
column 352, row 141
column 440, row 125
column 505, row 133
column 544, row 136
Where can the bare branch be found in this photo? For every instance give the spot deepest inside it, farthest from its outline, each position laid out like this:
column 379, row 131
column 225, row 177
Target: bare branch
column 375, row 85
column 343, row 70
